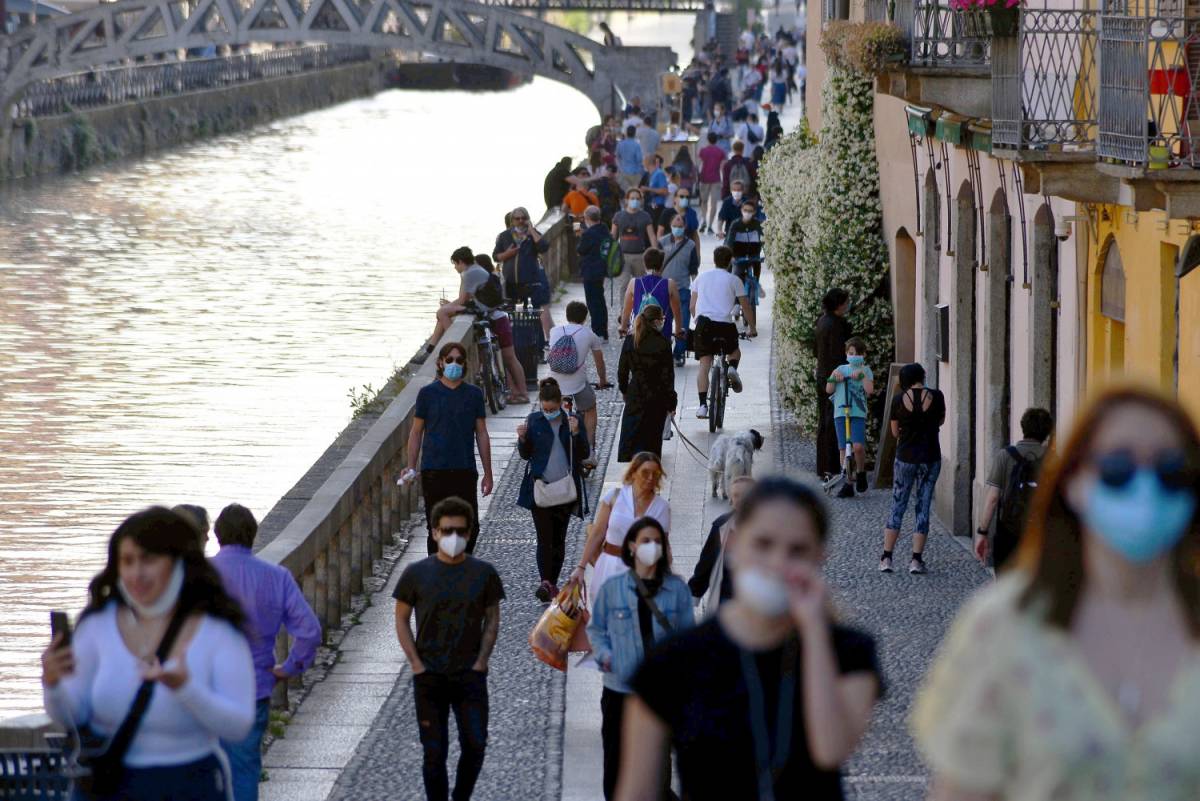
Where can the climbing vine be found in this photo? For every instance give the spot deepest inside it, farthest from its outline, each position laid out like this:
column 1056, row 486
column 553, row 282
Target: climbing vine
column 824, row 229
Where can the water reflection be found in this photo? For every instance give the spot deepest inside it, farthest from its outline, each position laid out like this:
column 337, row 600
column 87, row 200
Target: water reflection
column 185, row 328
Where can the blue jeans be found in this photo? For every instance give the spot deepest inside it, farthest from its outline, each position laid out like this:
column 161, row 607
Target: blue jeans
column 245, row 757
column 908, row 477
column 593, row 294
column 685, row 299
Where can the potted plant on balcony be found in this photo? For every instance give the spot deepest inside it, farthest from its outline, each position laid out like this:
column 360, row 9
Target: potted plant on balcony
column 1003, row 16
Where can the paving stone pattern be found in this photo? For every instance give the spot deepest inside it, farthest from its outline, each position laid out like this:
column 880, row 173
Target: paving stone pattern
column 908, row 615
column 524, row 757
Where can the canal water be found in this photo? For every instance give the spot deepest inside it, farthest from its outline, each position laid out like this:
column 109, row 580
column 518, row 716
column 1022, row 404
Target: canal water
column 186, row 328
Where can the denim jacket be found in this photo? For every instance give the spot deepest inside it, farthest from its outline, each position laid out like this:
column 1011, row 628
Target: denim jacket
column 614, row 631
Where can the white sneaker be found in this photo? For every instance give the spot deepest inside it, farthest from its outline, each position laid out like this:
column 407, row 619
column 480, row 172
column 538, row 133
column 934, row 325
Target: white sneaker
column 702, row 412
column 735, row 381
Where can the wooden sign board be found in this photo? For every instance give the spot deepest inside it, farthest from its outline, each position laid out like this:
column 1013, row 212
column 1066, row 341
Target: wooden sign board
column 885, row 456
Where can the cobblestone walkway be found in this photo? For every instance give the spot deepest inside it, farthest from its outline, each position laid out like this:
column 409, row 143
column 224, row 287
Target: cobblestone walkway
column 524, row 755
column 907, row 614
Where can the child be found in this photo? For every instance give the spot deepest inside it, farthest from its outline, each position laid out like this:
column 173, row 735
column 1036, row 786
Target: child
column 849, row 385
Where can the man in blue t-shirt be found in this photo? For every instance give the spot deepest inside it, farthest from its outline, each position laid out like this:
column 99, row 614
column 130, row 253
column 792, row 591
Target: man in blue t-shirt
column 656, row 188
column 629, row 159
column 449, row 414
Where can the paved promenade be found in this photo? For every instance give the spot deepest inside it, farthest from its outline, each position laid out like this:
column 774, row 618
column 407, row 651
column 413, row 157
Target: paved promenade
column 355, row 736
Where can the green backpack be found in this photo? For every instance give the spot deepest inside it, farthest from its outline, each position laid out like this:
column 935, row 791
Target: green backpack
column 610, row 251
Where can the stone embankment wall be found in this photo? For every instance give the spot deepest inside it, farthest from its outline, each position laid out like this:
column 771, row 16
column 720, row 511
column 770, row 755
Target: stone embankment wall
column 78, row 140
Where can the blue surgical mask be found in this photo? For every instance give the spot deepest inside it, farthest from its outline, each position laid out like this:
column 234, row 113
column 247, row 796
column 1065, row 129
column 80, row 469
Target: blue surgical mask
column 453, row 371
column 676, row 232
column 684, row 202
column 856, row 361
column 1141, row 519
column 554, row 415
column 633, row 204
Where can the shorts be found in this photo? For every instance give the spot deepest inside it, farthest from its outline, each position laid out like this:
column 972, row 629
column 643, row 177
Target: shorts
column 858, row 431
column 502, row 328
column 711, row 338
column 585, row 399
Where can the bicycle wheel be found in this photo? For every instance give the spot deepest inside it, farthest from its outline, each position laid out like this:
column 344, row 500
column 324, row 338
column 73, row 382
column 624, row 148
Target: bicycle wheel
column 722, row 399
column 714, row 395
column 499, row 377
column 487, row 378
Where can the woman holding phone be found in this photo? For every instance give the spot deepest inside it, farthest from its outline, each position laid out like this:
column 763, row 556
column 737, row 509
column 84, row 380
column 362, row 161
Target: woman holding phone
column 158, row 625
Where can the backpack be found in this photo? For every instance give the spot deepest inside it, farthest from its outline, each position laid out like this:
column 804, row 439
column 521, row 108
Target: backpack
column 1022, row 483
column 490, row 293
column 647, row 298
column 564, row 354
column 738, row 171
column 610, row 251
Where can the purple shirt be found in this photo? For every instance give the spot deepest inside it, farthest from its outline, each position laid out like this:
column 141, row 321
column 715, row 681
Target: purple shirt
column 270, row 597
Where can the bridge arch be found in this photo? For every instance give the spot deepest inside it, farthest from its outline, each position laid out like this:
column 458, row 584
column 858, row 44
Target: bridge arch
column 453, row 29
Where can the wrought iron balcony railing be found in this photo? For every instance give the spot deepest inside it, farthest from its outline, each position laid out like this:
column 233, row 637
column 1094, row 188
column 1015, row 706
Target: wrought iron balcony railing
column 946, row 37
column 1044, row 80
column 1149, row 109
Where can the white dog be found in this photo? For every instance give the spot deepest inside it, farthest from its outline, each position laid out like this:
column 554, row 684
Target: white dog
column 732, row 455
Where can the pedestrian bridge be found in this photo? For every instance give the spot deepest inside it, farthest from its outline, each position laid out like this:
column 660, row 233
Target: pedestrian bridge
column 457, row 30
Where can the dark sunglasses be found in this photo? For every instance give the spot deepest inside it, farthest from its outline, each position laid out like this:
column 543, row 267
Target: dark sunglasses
column 454, row 360
column 460, row 530
column 1117, row 468
column 520, row 219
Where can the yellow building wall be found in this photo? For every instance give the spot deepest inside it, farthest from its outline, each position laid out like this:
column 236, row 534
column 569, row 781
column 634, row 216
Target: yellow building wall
column 1143, row 347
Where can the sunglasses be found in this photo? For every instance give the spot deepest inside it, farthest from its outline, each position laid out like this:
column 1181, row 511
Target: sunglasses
column 1117, row 468
column 520, row 219
column 460, row 530
column 454, row 360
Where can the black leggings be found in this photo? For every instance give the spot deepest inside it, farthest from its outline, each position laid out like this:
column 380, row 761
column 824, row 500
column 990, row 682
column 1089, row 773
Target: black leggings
column 551, row 524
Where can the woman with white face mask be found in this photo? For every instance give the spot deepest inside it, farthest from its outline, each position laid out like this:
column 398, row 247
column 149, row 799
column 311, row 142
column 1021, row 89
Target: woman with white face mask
column 770, row 697
column 1077, row 674
column 159, row 654
column 629, row 614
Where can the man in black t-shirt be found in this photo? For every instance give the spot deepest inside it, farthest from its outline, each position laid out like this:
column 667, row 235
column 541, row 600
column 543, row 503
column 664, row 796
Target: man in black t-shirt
column 456, row 598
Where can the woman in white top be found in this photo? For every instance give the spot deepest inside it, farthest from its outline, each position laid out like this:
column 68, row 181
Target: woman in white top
column 636, row 497
column 202, row 692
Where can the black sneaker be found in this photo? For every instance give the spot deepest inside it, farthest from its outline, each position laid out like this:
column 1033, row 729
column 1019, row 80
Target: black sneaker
column 543, row 592
column 423, row 355
column 861, row 484
column 847, row 491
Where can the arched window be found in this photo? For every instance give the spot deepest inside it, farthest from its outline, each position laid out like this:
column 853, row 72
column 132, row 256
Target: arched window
column 1112, row 285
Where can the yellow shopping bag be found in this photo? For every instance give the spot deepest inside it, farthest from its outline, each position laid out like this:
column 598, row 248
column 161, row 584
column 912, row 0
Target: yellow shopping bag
column 561, row 628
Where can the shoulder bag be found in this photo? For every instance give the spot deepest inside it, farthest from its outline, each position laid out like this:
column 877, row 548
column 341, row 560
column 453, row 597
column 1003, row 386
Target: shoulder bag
column 563, row 491
column 101, row 771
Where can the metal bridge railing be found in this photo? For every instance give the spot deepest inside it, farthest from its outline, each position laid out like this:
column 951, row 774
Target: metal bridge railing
column 113, row 85
column 1044, row 80
column 1149, row 110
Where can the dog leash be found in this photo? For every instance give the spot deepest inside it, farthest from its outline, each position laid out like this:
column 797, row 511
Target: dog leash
column 692, row 449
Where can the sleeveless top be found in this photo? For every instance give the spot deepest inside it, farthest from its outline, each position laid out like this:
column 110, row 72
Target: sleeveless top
column 660, row 289
column 918, row 440
column 620, row 518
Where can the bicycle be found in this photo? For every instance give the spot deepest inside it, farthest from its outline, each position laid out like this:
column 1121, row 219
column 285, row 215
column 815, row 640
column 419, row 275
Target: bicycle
column 718, row 391
column 490, row 377
column 746, row 264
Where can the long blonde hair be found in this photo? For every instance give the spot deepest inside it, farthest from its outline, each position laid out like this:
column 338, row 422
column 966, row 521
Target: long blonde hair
column 645, row 321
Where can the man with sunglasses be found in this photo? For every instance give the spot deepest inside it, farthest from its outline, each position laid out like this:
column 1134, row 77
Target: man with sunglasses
column 1010, row 481
column 456, row 598
column 516, row 251
column 449, row 420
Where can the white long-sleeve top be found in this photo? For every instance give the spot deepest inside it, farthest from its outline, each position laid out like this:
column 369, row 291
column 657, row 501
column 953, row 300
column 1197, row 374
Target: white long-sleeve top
column 180, row 726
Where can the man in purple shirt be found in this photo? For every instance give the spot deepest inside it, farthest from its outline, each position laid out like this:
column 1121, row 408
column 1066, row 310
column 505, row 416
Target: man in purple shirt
column 270, row 598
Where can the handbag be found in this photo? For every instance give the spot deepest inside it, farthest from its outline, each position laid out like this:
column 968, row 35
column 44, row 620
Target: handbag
column 554, row 635
column 562, row 491
column 102, row 770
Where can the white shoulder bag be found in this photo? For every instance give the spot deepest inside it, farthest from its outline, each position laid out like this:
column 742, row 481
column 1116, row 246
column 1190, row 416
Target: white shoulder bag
column 563, row 491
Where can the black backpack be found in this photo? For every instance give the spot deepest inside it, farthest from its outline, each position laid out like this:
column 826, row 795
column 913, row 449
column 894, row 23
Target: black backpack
column 1014, row 504
column 490, row 293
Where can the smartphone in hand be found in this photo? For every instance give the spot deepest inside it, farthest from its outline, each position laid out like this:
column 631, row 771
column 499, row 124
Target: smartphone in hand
column 60, row 624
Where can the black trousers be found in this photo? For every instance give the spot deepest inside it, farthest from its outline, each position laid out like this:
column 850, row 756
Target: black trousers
column 593, row 293
column 612, row 716
column 435, row 694
column 551, row 524
column 437, row 485
column 829, row 457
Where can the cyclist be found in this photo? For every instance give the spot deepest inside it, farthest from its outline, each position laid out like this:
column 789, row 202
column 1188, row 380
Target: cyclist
column 745, row 238
column 715, row 294
column 474, row 280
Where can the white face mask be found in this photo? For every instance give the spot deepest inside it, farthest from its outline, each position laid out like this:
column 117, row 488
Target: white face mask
column 763, row 593
column 164, row 603
column 747, row 217
column 452, row 544
column 648, row 553
column 737, row 197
